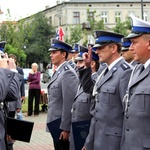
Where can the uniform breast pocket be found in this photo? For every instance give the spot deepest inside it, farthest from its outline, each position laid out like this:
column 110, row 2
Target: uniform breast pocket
column 83, row 98
column 54, row 89
column 106, row 93
column 83, row 102
column 142, row 98
column 146, row 142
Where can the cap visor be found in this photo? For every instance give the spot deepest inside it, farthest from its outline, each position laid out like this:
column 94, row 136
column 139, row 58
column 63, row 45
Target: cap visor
column 125, row 49
column 133, row 35
column 52, row 49
column 78, row 58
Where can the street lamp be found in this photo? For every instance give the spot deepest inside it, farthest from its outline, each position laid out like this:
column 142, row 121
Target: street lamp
column 142, row 9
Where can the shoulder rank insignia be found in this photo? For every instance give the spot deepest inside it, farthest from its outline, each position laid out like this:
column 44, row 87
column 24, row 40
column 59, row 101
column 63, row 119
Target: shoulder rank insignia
column 125, row 66
column 66, row 68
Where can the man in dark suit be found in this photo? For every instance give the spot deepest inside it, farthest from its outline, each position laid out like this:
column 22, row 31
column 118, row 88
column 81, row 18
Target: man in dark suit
column 136, row 135
column 10, row 82
column 107, row 121
column 15, row 106
column 61, row 92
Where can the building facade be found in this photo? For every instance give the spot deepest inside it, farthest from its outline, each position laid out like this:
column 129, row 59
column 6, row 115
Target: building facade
column 74, row 12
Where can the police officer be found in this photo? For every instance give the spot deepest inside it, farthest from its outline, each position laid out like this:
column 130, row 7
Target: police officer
column 107, row 121
column 61, row 89
column 136, row 135
column 82, row 102
column 127, row 53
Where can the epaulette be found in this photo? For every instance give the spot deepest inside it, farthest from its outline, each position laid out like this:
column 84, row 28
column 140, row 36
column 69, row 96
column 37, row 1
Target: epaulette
column 66, row 68
column 125, row 66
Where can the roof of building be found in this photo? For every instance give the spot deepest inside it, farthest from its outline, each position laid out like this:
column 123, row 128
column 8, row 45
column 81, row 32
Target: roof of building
column 113, row 1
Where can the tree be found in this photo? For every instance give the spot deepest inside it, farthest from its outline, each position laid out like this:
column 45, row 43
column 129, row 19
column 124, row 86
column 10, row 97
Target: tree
column 37, row 38
column 76, row 34
column 123, row 27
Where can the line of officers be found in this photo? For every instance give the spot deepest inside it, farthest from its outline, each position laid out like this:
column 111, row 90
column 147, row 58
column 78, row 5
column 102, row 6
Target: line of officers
column 106, row 105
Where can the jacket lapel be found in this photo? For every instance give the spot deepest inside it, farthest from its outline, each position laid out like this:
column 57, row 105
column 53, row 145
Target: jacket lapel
column 57, row 74
column 110, row 73
column 141, row 76
column 79, row 92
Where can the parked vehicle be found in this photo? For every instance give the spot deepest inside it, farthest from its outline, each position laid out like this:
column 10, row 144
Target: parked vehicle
column 26, row 73
column 47, row 75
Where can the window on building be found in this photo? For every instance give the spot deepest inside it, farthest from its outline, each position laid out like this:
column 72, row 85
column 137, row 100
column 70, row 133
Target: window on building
column 117, row 16
column 131, row 13
column 145, row 16
column 104, row 16
column 50, row 20
column 76, row 18
column 91, row 15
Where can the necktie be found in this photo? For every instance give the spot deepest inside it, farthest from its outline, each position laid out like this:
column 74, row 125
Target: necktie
column 54, row 73
column 141, row 69
column 106, row 70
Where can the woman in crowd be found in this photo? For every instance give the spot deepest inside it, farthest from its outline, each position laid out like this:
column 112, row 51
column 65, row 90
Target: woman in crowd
column 34, row 90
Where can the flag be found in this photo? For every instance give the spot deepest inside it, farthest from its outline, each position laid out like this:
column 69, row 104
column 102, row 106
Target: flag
column 60, row 34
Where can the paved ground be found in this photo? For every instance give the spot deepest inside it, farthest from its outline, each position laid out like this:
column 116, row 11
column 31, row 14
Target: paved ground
column 40, row 139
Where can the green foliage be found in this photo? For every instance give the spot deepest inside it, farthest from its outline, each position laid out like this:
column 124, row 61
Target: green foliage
column 123, row 27
column 21, row 56
column 37, row 39
column 75, row 34
column 99, row 25
column 28, row 40
column 91, row 19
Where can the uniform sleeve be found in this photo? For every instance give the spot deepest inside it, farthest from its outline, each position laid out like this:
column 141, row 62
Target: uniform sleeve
column 86, row 80
column 124, row 83
column 69, row 89
column 10, row 83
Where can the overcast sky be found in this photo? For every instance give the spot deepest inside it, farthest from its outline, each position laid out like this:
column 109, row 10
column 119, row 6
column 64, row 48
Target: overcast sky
column 23, row 8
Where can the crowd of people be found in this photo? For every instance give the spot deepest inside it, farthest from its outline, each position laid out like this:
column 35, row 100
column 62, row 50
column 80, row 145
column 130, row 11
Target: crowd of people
column 98, row 96
column 102, row 103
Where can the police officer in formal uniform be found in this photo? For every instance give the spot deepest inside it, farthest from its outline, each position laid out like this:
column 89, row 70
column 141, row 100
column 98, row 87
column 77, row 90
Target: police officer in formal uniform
column 136, row 135
column 72, row 55
column 82, row 102
column 61, row 89
column 10, row 82
column 75, row 50
column 107, row 121
column 126, row 52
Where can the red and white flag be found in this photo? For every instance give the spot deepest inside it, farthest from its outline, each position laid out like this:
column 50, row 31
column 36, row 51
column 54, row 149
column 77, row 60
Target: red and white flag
column 60, row 34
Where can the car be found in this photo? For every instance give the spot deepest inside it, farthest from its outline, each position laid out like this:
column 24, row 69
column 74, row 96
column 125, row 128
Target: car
column 26, row 73
column 46, row 77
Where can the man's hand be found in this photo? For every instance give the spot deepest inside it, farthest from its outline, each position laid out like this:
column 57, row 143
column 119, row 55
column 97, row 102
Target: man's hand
column 64, row 135
column 4, row 61
column 23, row 98
column 11, row 64
column 87, row 57
column 83, row 148
column 18, row 110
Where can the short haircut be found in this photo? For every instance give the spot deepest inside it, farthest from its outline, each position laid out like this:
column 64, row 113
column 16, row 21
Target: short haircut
column 12, row 56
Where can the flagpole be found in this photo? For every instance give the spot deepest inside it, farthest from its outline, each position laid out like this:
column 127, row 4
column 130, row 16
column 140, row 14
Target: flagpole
column 142, row 9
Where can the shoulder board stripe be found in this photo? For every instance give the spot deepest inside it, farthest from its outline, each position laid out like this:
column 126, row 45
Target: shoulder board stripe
column 125, row 66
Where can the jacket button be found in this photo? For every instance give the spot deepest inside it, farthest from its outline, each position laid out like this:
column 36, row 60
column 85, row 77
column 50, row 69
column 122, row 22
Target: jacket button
column 127, row 129
column 127, row 117
column 9, row 75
